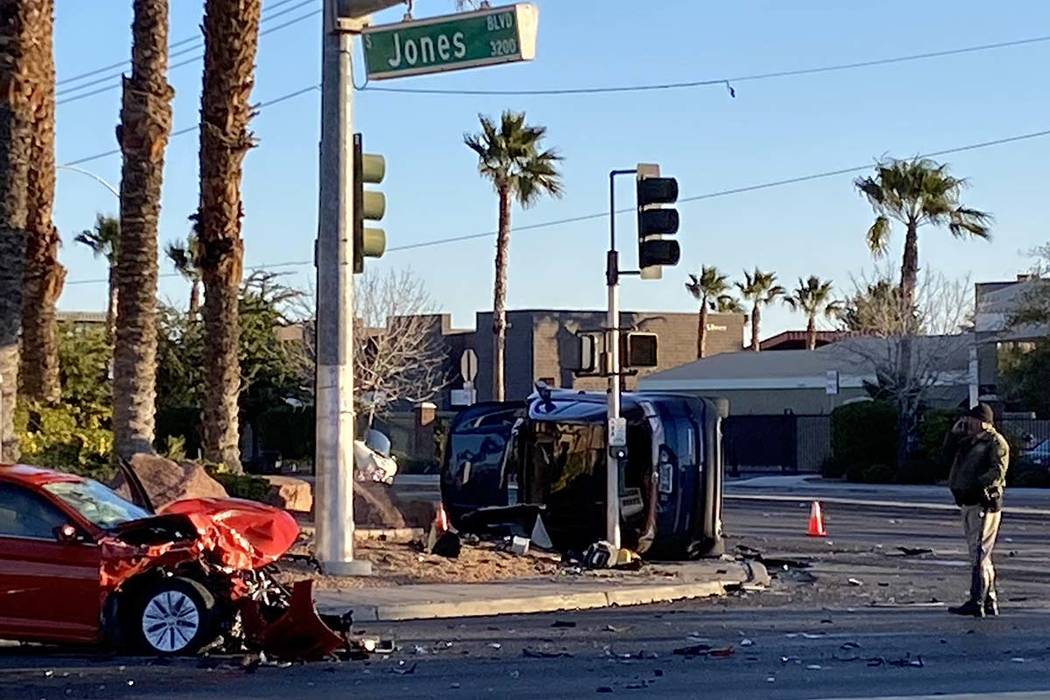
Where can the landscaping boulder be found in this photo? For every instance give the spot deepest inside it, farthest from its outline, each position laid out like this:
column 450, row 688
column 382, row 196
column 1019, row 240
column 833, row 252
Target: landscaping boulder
column 290, row 493
column 166, row 481
column 416, row 512
column 374, row 507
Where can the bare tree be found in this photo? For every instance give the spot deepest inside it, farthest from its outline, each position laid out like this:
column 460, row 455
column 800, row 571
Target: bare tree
column 400, row 356
column 399, row 353
column 912, row 348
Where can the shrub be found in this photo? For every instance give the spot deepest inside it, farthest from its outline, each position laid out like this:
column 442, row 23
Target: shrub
column 63, row 437
column 875, row 474
column 244, row 486
column 287, row 429
column 831, row 468
column 862, row 435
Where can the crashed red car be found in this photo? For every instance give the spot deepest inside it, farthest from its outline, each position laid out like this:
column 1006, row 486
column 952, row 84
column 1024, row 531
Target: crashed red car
column 79, row 563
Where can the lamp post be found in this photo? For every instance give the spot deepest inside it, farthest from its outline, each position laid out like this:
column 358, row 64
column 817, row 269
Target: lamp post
column 97, row 178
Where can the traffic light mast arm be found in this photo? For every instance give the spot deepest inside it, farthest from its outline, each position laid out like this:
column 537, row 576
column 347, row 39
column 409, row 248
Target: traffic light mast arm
column 612, row 268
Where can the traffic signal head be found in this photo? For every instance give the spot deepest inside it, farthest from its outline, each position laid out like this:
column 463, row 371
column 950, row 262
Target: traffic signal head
column 655, row 221
column 368, row 205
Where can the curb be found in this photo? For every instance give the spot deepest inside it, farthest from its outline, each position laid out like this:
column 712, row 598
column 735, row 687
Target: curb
column 806, row 498
column 584, row 600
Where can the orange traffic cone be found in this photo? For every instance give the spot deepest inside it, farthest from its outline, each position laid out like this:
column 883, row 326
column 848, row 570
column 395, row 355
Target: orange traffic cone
column 441, row 518
column 816, row 521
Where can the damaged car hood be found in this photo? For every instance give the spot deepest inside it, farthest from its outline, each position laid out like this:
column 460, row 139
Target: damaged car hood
column 230, row 533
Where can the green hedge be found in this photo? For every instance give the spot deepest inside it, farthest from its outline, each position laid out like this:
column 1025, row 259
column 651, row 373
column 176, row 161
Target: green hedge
column 864, row 435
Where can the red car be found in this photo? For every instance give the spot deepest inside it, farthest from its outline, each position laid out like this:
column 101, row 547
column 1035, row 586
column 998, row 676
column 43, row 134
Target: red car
column 79, row 563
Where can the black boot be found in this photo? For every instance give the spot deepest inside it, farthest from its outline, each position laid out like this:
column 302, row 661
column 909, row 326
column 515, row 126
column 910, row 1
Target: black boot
column 968, row 609
column 991, row 607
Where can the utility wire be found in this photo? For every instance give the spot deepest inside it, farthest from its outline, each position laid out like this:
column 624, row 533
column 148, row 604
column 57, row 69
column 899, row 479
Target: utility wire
column 196, row 39
column 196, row 127
column 187, row 62
column 728, row 81
column 603, row 214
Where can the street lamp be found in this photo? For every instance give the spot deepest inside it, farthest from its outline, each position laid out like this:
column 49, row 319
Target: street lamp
column 97, row 178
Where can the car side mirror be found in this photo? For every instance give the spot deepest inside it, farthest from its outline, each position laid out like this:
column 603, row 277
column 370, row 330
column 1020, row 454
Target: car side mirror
column 67, row 534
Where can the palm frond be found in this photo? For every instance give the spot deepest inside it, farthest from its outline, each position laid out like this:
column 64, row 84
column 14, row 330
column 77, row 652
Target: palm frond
column 879, row 236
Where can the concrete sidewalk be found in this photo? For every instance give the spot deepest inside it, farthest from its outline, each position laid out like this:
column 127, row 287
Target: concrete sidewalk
column 657, row 583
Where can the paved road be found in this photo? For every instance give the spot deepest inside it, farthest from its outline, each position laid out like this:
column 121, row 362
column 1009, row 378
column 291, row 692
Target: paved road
column 814, row 634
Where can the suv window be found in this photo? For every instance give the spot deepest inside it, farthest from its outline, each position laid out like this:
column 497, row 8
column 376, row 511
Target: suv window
column 24, row 514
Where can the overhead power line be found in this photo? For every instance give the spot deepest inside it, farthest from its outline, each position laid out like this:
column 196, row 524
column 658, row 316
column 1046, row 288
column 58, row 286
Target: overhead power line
column 695, row 198
column 726, row 81
column 191, row 129
column 267, row 13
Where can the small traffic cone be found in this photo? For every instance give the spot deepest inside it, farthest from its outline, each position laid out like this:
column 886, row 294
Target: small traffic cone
column 438, row 527
column 816, row 521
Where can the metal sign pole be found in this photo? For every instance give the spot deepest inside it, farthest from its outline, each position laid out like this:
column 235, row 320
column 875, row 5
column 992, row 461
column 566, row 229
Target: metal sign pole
column 335, row 369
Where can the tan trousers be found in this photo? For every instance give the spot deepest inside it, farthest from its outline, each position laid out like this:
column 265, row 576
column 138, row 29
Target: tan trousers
column 982, row 529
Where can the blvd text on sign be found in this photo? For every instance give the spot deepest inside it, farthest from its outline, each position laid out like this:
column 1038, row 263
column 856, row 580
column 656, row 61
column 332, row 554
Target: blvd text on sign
column 451, row 42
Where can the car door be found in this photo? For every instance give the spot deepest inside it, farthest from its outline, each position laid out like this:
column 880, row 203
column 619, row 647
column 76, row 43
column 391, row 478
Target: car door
column 49, row 589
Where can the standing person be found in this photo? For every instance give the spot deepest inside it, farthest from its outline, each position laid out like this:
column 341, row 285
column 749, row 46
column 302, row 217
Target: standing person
column 980, row 457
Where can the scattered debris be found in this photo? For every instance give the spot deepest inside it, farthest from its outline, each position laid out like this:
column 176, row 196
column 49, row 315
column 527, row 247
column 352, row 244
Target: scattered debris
column 723, row 653
column 855, row 582
column 563, row 624
column 639, row 685
column 495, row 645
column 814, row 667
column 1017, row 660
column 520, row 546
column 545, row 653
column 693, row 650
column 540, row 537
column 604, row 689
column 914, row 551
column 747, row 643
column 447, row 545
column 404, row 669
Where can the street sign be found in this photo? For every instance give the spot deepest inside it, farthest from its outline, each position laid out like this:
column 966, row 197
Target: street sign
column 487, row 37
column 617, row 432
column 463, row 397
column 832, row 383
column 468, row 365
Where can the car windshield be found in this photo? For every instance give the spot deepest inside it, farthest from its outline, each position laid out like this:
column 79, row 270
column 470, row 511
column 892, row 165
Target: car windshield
column 99, row 504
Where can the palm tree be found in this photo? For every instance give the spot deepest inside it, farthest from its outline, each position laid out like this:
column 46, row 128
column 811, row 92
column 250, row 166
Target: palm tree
column 143, row 136
column 102, row 240
column 729, row 304
column 915, row 193
column 17, row 105
column 510, row 155
column 761, row 289
column 44, row 275
column 707, row 288
column 231, row 42
column 814, row 298
column 183, row 256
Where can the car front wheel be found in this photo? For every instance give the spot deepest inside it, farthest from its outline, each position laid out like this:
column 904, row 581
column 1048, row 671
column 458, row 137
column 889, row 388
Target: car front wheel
column 173, row 617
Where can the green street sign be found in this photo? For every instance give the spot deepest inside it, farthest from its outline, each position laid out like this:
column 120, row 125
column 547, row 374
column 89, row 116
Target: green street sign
column 487, row 37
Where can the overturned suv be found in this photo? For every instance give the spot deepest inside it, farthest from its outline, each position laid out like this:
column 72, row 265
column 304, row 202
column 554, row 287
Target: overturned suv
column 80, row 564
column 507, row 463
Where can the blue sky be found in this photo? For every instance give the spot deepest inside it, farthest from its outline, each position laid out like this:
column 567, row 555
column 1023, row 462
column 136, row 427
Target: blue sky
column 773, row 129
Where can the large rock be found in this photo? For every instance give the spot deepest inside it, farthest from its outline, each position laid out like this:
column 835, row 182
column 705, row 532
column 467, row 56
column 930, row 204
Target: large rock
column 417, row 512
column 290, row 493
column 166, row 481
column 374, row 507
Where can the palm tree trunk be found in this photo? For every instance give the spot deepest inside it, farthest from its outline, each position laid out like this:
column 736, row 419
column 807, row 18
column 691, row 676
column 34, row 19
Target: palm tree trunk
column 756, row 323
column 910, row 266
column 111, row 305
column 231, row 42
column 17, row 96
column 143, row 136
column 499, row 297
column 195, row 298
column 701, row 331
column 44, row 275
column 811, row 333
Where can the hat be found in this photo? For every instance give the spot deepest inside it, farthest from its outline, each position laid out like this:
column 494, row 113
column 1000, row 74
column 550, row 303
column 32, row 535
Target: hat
column 983, row 412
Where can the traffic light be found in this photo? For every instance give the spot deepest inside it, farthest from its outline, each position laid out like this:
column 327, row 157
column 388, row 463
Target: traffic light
column 656, row 221
column 371, row 205
column 638, row 350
